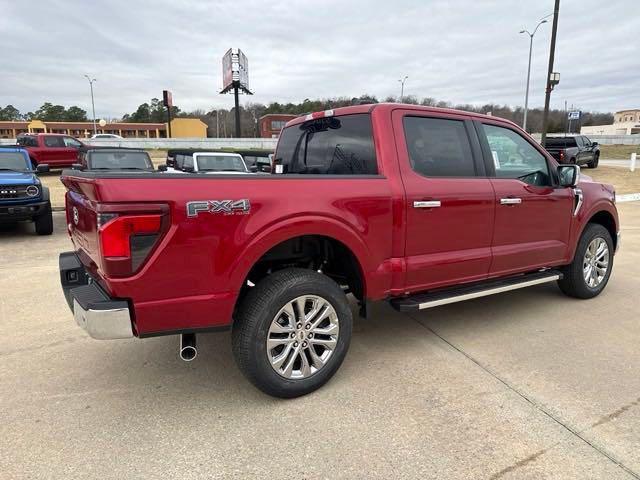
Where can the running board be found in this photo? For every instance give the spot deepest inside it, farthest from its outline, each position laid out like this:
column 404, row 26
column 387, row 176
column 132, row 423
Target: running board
column 422, row 301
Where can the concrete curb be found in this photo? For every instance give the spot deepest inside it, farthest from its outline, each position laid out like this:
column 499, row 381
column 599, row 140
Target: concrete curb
column 628, row 197
column 57, row 209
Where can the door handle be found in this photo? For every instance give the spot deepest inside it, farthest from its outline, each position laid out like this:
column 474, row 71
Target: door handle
column 510, row 201
column 427, row 204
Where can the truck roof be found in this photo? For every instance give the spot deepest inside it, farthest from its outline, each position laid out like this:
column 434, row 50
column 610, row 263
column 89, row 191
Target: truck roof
column 368, row 108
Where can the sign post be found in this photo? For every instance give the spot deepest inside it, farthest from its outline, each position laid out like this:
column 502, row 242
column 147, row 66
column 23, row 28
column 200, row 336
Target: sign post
column 167, row 101
column 632, row 167
column 575, row 115
column 235, row 76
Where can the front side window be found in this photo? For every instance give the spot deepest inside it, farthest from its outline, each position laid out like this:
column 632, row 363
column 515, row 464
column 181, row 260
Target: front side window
column 71, row 142
column 438, row 147
column 54, row 142
column 331, row 146
column 514, row 157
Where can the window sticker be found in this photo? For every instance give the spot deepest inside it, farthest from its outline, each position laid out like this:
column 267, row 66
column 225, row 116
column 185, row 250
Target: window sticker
column 496, row 160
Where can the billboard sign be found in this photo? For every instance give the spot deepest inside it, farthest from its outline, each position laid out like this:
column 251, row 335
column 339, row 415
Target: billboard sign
column 574, row 115
column 227, row 70
column 235, row 68
column 243, row 70
column 167, row 99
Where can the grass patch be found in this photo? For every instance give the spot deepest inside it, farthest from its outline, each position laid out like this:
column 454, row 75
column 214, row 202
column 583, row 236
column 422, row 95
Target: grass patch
column 621, row 178
column 618, row 152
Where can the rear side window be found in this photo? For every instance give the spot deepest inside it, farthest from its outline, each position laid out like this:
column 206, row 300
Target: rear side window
column 28, row 141
column 332, row 146
column 438, row 147
column 120, row 161
column 54, row 142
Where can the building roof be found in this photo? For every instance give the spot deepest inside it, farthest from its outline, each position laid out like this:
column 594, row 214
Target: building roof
column 632, row 110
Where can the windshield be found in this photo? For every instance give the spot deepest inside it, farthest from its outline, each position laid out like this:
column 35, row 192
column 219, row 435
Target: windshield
column 220, row 163
column 13, row 161
column 120, row 161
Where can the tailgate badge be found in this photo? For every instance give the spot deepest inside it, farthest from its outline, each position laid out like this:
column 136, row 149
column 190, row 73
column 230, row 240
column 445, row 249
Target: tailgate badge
column 76, row 216
column 226, row 207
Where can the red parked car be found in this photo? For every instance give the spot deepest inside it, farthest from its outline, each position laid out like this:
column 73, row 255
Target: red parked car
column 413, row 205
column 54, row 149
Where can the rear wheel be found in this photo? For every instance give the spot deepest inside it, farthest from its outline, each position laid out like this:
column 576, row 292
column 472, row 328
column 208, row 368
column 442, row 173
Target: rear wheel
column 44, row 223
column 292, row 332
column 590, row 270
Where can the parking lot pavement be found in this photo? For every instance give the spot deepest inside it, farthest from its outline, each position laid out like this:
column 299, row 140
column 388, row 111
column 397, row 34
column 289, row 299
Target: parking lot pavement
column 529, row 384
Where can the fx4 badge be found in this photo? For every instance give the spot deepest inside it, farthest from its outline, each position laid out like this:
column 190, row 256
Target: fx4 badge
column 226, row 207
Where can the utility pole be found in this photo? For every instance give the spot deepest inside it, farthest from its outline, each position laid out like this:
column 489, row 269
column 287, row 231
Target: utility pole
column 526, row 96
column 93, row 105
column 552, row 51
column 402, row 88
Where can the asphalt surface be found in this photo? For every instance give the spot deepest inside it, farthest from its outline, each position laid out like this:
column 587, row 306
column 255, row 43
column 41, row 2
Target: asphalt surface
column 527, row 384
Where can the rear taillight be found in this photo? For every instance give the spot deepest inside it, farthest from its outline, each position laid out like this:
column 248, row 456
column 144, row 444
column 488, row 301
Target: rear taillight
column 561, row 156
column 127, row 239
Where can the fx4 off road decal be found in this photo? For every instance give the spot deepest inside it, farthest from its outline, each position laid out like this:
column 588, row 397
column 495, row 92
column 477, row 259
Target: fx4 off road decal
column 226, row 207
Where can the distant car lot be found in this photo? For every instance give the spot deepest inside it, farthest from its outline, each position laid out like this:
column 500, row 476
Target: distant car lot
column 525, row 385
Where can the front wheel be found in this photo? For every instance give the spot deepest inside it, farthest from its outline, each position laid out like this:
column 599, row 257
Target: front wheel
column 590, row 270
column 44, row 223
column 292, row 332
column 594, row 163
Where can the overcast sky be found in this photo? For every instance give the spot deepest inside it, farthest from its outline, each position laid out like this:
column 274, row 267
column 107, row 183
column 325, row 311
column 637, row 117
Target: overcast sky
column 462, row 51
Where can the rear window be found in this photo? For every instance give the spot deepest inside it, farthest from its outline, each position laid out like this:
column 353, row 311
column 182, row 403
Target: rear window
column 120, row 161
column 28, row 141
column 332, row 146
column 560, row 142
column 220, row 163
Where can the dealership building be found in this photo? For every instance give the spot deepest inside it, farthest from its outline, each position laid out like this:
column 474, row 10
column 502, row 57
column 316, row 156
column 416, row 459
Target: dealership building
column 625, row 122
column 180, row 128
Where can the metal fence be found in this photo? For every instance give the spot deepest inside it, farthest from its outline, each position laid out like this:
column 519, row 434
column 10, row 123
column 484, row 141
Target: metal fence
column 165, row 143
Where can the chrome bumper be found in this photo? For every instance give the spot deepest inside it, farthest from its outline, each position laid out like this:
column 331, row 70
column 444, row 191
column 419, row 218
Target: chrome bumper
column 107, row 324
column 101, row 316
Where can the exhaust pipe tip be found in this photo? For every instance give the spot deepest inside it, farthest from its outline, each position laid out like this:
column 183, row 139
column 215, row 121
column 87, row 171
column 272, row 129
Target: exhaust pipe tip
column 188, row 353
column 188, row 350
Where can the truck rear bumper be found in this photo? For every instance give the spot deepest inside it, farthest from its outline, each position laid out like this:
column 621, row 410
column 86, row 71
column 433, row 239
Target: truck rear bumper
column 101, row 316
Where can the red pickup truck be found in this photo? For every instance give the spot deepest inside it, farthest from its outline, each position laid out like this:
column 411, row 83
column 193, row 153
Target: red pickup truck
column 413, row 205
column 54, row 149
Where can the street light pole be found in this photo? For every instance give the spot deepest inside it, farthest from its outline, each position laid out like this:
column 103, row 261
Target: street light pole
column 526, row 96
column 402, row 87
column 552, row 52
column 93, row 105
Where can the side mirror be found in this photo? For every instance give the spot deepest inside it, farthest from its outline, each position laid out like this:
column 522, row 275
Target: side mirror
column 594, row 144
column 76, row 166
column 569, row 175
column 162, row 168
column 42, row 168
column 253, row 168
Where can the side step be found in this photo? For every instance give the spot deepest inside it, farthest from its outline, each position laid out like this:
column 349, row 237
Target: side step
column 467, row 292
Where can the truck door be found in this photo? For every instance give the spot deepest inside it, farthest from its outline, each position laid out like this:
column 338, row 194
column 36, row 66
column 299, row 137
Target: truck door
column 449, row 200
column 533, row 214
column 72, row 146
column 53, row 152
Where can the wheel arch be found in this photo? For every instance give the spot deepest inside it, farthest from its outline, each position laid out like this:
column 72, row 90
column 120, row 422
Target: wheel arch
column 325, row 231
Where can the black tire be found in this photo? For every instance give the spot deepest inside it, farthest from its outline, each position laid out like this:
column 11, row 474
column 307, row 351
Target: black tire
column 594, row 162
column 256, row 314
column 44, row 223
column 574, row 284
